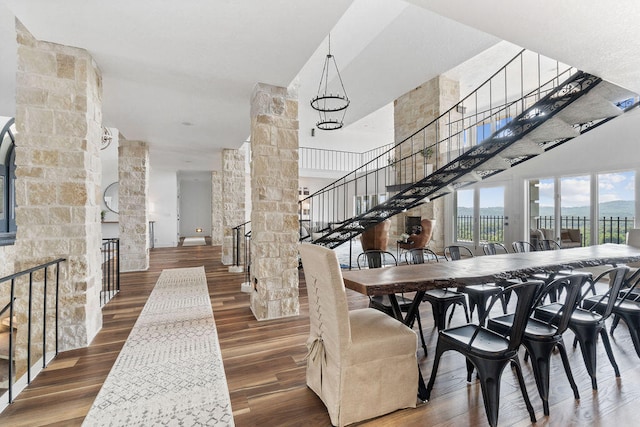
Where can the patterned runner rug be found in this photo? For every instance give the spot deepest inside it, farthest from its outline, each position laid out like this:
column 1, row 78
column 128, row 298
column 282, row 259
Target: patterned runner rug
column 170, row 370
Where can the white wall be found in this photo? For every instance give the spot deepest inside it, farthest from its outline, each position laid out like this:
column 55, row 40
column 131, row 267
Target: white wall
column 163, row 207
column 195, row 206
column 611, row 147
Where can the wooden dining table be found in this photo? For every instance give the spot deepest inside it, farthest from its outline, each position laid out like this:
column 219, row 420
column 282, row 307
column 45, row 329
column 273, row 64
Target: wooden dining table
column 420, row 278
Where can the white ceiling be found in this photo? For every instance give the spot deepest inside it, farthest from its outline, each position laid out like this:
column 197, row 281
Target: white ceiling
column 179, row 74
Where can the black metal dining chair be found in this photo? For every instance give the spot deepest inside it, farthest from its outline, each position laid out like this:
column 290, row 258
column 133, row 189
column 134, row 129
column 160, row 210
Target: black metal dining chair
column 378, row 259
column 494, row 248
column 478, row 294
column 488, row 352
column 522, row 246
column 548, row 245
column 542, row 337
column 586, row 323
column 625, row 308
column 440, row 298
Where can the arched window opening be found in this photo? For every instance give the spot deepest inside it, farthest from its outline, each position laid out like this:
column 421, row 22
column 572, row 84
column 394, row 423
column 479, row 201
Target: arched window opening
column 7, row 181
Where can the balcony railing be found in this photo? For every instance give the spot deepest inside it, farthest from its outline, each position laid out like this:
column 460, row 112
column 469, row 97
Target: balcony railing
column 335, row 160
column 40, row 284
column 610, row 229
column 491, row 228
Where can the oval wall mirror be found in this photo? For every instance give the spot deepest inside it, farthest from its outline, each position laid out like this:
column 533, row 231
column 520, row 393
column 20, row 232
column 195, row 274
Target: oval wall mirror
column 110, row 197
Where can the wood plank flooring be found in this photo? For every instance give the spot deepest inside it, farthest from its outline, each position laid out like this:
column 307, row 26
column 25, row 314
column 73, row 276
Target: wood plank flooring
column 265, row 368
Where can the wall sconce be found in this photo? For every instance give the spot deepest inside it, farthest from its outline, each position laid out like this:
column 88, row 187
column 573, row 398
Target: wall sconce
column 198, row 230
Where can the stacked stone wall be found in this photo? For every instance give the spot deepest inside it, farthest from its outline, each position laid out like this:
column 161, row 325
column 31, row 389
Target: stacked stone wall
column 59, row 126
column 233, row 198
column 413, row 111
column 217, row 229
column 274, row 200
column 133, row 191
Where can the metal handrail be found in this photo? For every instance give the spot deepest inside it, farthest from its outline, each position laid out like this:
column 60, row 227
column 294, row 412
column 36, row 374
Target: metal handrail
column 110, row 270
column 30, row 273
column 447, row 137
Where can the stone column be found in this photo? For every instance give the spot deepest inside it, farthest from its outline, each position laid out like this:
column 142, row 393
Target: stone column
column 233, row 199
column 216, row 209
column 274, row 200
column 59, row 128
column 133, row 212
column 412, row 111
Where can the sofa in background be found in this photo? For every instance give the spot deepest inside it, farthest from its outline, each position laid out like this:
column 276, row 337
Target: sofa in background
column 569, row 237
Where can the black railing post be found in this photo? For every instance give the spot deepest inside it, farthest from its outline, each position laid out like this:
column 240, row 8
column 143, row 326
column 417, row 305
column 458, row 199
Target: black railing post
column 44, row 319
column 12, row 300
column 29, row 328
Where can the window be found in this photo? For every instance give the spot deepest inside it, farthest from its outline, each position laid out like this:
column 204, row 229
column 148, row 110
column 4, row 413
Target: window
column 480, row 215
column 7, row 182
column 616, row 206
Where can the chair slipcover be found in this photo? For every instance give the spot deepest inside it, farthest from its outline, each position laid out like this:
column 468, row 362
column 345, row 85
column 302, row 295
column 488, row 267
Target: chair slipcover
column 361, row 363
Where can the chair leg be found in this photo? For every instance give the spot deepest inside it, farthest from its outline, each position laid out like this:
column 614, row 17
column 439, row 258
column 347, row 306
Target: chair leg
column 540, row 353
column 453, row 309
column 587, row 337
column 607, row 347
column 424, row 345
column 614, row 323
column 633, row 324
column 434, row 370
column 489, row 373
column 515, row 363
column 567, row 369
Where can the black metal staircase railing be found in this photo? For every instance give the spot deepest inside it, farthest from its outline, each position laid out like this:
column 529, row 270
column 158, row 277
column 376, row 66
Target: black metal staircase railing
column 39, row 277
column 499, row 125
column 110, row 270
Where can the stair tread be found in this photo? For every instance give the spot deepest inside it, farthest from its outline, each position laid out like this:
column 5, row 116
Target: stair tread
column 4, row 345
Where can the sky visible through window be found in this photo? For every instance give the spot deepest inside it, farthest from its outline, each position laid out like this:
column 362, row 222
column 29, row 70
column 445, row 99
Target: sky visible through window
column 576, row 190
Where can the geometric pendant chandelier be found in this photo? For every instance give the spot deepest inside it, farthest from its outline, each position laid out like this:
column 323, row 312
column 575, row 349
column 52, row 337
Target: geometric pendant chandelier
column 330, row 106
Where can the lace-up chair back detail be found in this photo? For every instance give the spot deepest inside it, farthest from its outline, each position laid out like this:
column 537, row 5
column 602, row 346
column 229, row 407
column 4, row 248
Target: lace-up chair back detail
column 361, row 363
column 490, row 353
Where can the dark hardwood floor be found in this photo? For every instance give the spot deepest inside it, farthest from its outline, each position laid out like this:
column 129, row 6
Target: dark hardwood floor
column 265, row 367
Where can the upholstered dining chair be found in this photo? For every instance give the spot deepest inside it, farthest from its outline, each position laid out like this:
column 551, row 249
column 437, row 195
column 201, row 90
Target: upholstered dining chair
column 421, row 239
column 361, row 363
column 376, row 237
column 488, row 352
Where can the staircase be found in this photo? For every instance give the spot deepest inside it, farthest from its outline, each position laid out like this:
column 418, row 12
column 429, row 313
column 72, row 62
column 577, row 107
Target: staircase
column 5, row 335
column 525, row 126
